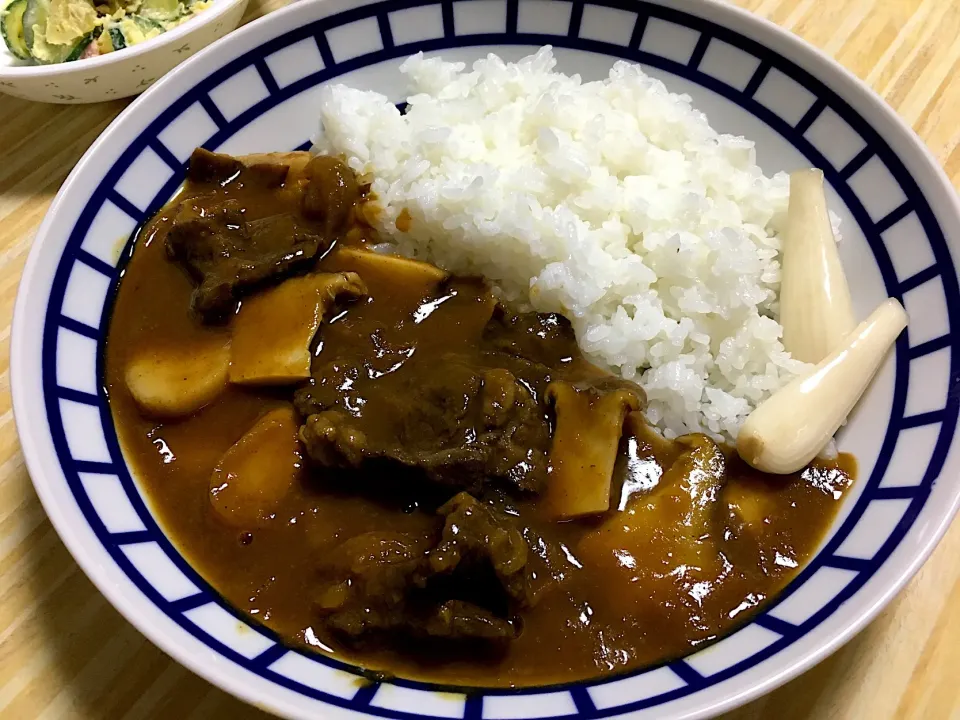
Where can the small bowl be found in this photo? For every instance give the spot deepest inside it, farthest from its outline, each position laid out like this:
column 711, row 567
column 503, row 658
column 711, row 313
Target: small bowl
column 122, row 73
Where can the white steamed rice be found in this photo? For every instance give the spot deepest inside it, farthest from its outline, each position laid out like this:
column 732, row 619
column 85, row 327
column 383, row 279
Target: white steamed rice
column 613, row 202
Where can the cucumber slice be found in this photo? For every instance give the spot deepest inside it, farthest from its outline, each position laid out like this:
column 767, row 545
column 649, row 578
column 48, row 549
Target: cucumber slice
column 146, row 24
column 34, row 28
column 11, row 27
column 131, row 30
column 35, row 16
column 117, row 40
column 82, row 44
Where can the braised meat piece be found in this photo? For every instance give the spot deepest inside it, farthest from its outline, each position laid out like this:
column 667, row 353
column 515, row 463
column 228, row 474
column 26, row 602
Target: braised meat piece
column 469, row 583
column 227, row 255
column 230, row 246
column 333, row 439
column 215, row 168
column 478, row 534
column 463, row 426
column 330, row 193
column 459, row 620
column 366, row 580
column 546, row 339
column 453, row 620
column 465, row 420
column 211, row 167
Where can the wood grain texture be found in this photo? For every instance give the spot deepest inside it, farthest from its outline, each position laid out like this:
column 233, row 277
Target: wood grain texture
column 65, row 653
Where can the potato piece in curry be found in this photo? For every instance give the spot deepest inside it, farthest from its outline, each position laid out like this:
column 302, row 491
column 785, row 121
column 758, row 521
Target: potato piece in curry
column 397, row 456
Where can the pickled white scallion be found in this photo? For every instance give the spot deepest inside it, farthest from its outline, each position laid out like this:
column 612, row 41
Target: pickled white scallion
column 815, row 308
column 798, row 421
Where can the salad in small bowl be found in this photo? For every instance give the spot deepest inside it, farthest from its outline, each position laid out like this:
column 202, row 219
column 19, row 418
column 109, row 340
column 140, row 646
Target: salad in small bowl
column 81, row 51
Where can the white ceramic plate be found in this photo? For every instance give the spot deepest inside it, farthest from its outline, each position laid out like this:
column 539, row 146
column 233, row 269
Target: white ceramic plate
column 257, row 91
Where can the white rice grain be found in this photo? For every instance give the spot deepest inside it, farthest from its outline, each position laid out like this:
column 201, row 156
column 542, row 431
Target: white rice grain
column 613, row 202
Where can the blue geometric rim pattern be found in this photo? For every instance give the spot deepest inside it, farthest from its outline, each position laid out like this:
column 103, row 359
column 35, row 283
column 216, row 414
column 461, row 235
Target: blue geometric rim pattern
column 582, row 701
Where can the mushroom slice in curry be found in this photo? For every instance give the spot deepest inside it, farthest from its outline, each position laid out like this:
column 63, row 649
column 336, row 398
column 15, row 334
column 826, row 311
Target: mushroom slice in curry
column 586, row 440
column 176, row 381
column 273, row 331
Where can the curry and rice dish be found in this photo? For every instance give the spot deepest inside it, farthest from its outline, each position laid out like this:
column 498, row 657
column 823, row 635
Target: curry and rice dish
column 397, row 464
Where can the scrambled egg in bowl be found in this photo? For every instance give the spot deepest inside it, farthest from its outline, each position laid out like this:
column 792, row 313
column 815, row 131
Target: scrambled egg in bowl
column 55, row 31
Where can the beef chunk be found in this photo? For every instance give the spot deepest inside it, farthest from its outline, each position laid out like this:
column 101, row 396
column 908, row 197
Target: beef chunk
column 333, row 439
column 375, row 565
column 546, row 339
column 330, row 193
column 459, row 620
column 538, row 346
column 477, row 534
column 230, row 244
column 227, row 255
column 466, row 421
column 468, row 583
column 209, row 167
column 453, row 620
column 206, row 167
column 461, row 425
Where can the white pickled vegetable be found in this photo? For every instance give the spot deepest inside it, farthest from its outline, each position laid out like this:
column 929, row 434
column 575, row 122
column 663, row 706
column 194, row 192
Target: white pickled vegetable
column 815, row 308
column 794, row 424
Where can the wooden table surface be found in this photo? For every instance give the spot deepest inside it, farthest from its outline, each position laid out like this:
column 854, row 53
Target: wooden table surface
column 66, row 653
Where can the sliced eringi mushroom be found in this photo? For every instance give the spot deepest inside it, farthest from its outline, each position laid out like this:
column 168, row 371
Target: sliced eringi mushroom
column 176, row 381
column 257, row 472
column 378, row 269
column 794, row 424
column 296, row 160
column 273, row 331
column 815, row 308
column 583, row 452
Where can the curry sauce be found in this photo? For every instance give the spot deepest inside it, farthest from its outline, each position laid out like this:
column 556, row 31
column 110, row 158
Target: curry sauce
column 426, row 436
